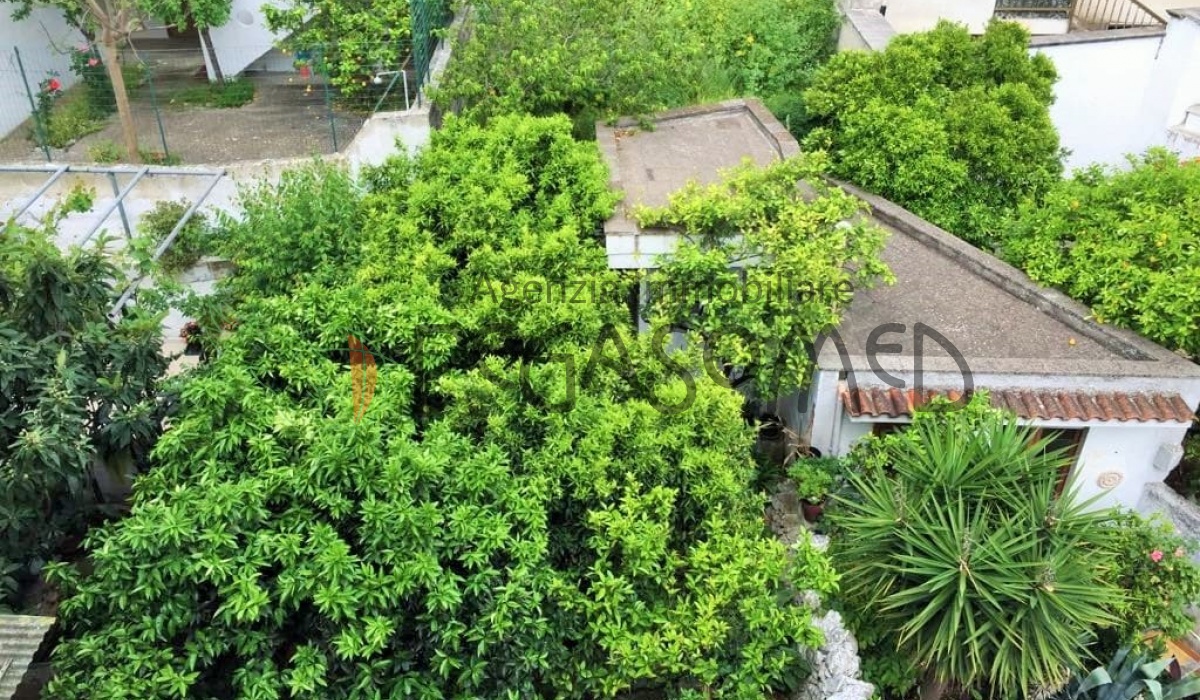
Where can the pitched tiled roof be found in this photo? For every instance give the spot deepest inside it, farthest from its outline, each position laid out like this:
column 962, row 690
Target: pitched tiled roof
column 1043, row 404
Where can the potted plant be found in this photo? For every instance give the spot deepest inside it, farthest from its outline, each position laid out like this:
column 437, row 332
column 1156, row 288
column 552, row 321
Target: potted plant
column 813, row 479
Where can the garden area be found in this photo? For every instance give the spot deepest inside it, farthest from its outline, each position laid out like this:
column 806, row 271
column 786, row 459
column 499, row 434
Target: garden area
column 382, row 480
column 179, row 116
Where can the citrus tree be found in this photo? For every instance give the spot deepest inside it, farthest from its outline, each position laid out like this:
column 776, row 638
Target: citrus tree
column 508, row 515
column 1127, row 243
column 953, row 127
column 763, row 267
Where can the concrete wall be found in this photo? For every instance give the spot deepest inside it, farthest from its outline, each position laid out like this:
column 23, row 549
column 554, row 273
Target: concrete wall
column 921, row 15
column 45, row 41
column 1096, row 116
column 1124, row 91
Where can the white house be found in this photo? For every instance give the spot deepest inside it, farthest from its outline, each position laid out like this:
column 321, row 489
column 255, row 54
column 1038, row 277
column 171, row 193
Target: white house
column 1121, row 403
column 43, row 41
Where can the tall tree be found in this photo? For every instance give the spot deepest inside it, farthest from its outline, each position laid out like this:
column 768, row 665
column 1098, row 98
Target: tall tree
column 954, row 127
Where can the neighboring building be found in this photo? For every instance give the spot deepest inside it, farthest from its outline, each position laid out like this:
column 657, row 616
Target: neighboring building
column 44, row 41
column 1126, row 90
column 1039, row 16
column 1129, row 70
column 1120, row 403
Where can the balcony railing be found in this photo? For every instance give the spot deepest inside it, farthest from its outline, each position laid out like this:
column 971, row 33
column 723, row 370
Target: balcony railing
column 1113, row 14
column 1087, row 14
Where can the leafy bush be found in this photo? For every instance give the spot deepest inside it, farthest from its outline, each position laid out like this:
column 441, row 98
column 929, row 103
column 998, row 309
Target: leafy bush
column 591, row 60
column 492, row 522
column 79, row 392
column 305, row 228
column 88, row 64
column 953, row 544
column 105, row 152
column 348, row 39
column 955, row 128
column 757, row 321
column 187, row 248
column 1159, row 577
column 1125, row 243
column 70, row 119
column 632, row 57
column 769, row 47
column 813, row 478
column 230, row 93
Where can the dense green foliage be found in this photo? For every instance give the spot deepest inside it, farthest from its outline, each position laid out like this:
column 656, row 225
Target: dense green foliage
column 78, row 393
column 511, row 517
column 1126, row 243
column 955, row 128
column 1160, row 580
column 952, row 544
column 598, row 60
column 190, row 244
column 765, row 267
column 349, row 39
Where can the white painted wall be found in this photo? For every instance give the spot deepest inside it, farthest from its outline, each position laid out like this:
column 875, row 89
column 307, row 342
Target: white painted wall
column 244, row 38
column 1126, row 95
column 921, row 15
column 1094, row 110
column 1125, row 450
column 45, row 41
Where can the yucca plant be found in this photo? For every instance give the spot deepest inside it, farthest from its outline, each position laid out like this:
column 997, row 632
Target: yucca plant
column 952, row 539
column 1129, row 676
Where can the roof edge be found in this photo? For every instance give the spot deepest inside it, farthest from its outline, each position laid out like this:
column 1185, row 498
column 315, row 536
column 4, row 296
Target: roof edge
column 1125, row 343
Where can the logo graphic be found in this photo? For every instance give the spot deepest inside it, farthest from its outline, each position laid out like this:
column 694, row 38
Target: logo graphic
column 362, row 375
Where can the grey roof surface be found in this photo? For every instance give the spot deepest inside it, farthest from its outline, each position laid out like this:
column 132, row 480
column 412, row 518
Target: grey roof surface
column 981, row 320
column 694, row 143
column 999, row 320
column 20, row 637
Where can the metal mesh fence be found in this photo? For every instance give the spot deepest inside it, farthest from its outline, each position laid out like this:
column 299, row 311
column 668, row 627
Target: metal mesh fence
column 285, row 101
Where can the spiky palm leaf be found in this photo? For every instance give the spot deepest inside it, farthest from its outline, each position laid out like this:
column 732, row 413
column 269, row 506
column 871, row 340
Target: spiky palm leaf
column 964, row 551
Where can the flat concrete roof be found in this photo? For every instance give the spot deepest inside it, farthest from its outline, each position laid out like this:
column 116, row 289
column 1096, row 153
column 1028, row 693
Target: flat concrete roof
column 999, row 320
column 693, row 143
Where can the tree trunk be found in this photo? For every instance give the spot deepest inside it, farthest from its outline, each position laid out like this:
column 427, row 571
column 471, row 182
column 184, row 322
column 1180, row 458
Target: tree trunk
column 113, row 64
column 932, row 687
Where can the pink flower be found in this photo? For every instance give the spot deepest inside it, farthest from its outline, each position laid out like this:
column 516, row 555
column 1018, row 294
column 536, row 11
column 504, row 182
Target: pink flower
column 1179, row 552
column 93, row 62
column 1156, row 555
column 53, row 85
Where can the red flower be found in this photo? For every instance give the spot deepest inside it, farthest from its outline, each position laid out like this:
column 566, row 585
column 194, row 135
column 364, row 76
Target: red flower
column 53, row 85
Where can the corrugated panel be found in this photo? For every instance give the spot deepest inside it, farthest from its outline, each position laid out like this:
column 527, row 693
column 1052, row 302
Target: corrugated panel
column 1033, row 404
column 20, row 637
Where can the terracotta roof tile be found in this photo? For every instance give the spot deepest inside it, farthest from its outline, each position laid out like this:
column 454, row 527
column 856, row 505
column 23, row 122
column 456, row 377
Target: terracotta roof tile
column 1041, row 404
